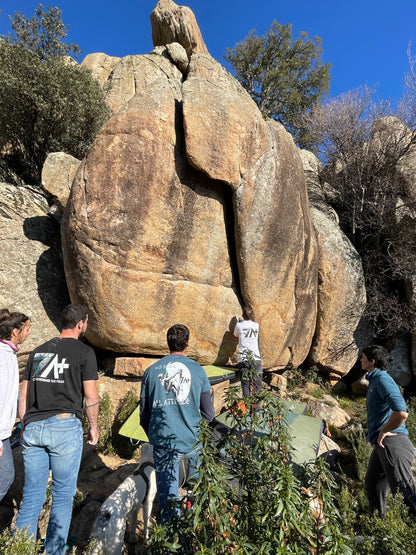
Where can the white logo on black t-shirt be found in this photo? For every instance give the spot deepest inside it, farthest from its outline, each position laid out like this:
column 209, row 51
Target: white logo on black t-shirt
column 46, row 365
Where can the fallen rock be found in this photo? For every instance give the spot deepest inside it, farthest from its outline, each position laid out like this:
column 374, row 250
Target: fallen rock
column 277, row 381
column 127, row 366
column 326, row 408
column 360, row 387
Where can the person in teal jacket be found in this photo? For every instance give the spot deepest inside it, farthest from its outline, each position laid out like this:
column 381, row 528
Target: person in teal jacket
column 175, row 395
column 390, row 464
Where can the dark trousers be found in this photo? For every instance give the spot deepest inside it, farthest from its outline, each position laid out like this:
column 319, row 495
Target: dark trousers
column 245, row 383
column 391, row 468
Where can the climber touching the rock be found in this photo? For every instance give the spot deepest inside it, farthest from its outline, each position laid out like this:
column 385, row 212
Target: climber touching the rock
column 247, row 333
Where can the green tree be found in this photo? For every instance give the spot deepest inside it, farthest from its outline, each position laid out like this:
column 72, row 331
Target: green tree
column 285, row 78
column 43, row 34
column 47, row 102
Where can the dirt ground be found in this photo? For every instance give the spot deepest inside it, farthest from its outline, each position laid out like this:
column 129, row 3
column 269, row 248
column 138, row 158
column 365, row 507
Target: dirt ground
column 100, row 475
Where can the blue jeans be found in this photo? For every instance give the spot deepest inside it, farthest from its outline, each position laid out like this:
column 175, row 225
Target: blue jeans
column 167, row 476
column 55, row 444
column 6, row 468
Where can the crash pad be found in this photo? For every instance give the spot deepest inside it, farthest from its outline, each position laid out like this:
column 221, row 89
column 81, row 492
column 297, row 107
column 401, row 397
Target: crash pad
column 218, row 374
column 305, row 433
column 131, row 427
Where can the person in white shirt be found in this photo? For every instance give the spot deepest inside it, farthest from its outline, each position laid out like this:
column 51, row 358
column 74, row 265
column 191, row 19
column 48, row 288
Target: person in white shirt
column 247, row 333
column 14, row 328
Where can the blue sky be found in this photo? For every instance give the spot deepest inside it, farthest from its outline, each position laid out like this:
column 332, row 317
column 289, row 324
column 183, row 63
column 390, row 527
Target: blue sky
column 364, row 40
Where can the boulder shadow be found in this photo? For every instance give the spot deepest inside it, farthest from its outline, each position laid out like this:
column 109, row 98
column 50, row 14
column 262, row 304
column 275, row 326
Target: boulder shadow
column 50, row 275
column 228, row 344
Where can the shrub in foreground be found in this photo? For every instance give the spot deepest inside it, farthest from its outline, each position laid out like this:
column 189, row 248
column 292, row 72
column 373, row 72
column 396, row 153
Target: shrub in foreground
column 247, row 497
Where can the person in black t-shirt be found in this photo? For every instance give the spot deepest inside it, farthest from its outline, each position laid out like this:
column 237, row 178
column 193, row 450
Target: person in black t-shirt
column 59, row 375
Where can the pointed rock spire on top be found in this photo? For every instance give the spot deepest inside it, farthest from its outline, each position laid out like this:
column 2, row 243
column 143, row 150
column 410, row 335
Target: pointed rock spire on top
column 173, row 23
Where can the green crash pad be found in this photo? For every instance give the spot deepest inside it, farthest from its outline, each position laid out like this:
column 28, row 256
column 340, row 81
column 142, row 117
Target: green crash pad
column 218, row 374
column 305, row 433
column 131, row 427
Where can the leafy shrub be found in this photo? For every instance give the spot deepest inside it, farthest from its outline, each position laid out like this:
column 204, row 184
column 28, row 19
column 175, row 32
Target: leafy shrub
column 247, row 496
column 362, row 450
column 120, row 444
column 18, row 544
column 105, row 419
column 300, row 376
column 393, row 534
column 110, row 442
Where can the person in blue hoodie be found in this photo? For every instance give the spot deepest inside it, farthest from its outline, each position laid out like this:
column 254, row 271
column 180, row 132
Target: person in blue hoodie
column 14, row 328
column 390, row 464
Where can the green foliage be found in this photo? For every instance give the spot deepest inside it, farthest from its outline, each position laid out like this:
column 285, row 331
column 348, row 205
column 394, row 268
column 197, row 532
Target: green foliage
column 248, row 499
column 43, row 34
column 18, row 544
column 300, row 376
column 47, row 103
column 347, row 507
column 362, row 450
column 366, row 152
column 105, row 419
column 110, row 422
column 394, row 533
column 285, row 77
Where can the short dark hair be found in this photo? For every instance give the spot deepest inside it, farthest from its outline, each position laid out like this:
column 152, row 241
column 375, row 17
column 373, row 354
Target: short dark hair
column 10, row 321
column 379, row 354
column 248, row 313
column 72, row 314
column 177, row 337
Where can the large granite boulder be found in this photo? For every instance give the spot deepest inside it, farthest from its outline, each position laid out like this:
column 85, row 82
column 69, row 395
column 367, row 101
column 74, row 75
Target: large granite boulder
column 341, row 297
column 228, row 139
column 225, row 132
column 32, row 280
column 145, row 237
column 188, row 204
column 125, row 77
column 101, row 66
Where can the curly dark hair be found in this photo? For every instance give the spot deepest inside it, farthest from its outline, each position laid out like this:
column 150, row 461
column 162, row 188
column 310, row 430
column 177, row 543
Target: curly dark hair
column 177, row 337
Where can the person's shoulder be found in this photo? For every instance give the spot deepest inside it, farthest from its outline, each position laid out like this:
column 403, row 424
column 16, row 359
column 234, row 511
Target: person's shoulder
column 79, row 345
column 191, row 362
column 47, row 345
column 157, row 365
column 384, row 379
column 383, row 375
